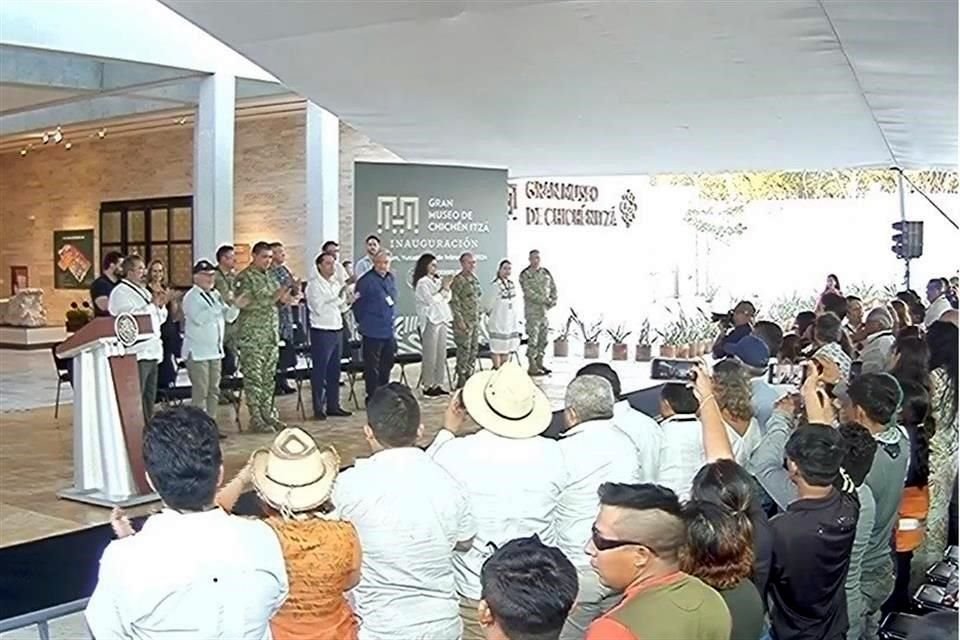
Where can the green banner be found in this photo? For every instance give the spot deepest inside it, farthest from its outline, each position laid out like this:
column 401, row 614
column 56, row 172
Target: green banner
column 443, row 210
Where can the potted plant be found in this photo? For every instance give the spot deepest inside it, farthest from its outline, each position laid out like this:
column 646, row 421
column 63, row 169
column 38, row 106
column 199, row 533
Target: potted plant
column 644, row 349
column 619, row 335
column 683, row 335
column 78, row 316
column 668, row 340
column 591, row 339
column 561, row 344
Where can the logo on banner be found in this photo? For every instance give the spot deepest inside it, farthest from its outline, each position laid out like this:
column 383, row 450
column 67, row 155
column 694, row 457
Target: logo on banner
column 628, row 208
column 398, row 214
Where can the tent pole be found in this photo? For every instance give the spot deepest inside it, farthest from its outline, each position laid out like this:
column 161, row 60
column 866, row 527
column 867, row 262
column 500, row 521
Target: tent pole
column 903, row 218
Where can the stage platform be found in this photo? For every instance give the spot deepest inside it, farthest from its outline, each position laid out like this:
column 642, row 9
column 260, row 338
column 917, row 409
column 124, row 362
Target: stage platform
column 31, row 337
column 36, row 449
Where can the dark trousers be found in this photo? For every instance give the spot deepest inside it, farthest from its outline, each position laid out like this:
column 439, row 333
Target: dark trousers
column 326, row 348
column 148, row 370
column 378, row 356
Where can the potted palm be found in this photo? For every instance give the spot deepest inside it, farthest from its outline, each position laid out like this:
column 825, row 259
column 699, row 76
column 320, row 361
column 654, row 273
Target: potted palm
column 561, row 344
column 644, row 348
column 591, row 339
column 683, row 335
column 669, row 336
column 619, row 335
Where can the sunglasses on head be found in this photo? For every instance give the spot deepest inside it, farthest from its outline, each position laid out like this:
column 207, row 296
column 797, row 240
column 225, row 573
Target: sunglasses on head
column 605, row 544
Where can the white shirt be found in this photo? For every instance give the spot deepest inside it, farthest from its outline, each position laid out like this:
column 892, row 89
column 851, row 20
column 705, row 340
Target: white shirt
column 205, row 317
column 409, row 514
column 681, row 453
column 190, row 576
column 433, row 302
column 936, row 309
column 644, row 432
column 326, row 303
column 594, row 452
column 128, row 297
column 514, row 486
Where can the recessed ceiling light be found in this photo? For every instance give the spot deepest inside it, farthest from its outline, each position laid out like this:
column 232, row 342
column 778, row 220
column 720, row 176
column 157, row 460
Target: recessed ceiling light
column 102, row 133
column 23, row 152
column 68, row 146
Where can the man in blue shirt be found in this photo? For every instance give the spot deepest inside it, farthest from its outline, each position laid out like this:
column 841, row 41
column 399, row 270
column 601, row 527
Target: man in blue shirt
column 742, row 320
column 375, row 309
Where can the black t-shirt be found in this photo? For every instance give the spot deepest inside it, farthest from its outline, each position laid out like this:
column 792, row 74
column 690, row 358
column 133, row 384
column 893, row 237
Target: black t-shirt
column 812, row 542
column 102, row 286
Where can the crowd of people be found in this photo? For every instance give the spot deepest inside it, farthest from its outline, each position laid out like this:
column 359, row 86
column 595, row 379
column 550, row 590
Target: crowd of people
column 251, row 321
column 744, row 509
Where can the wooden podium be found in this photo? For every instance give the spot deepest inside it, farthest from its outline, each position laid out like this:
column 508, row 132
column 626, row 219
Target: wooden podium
column 108, row 419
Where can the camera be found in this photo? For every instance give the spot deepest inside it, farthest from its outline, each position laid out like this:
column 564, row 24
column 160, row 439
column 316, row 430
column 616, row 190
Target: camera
column 722, row 318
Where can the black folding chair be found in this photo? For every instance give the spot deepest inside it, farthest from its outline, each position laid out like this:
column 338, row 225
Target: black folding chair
column 64, row 375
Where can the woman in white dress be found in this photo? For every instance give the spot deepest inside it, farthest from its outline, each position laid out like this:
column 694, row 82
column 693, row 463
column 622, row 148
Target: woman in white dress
column 432, row 300
column 500, row 304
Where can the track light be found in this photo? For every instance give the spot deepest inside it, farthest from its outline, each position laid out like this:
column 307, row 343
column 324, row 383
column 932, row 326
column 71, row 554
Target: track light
column 182, row 120
column 58, row 136
column 23, row 152
column 68, row 146
column 102, row 133
column 45, row 138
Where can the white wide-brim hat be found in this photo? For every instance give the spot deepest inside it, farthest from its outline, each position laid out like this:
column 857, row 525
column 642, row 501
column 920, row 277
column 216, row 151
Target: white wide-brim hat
column 294, row 474
column 506, row 402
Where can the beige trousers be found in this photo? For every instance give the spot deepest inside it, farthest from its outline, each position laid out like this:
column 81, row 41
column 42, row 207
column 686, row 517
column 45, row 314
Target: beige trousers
column 471, row 619
column 205, row 384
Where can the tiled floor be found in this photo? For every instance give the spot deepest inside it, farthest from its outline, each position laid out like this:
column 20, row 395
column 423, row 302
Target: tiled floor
column 36, row 450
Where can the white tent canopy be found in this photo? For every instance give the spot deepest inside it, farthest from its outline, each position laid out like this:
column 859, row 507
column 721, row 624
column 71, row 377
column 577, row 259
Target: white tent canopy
column 619, row 87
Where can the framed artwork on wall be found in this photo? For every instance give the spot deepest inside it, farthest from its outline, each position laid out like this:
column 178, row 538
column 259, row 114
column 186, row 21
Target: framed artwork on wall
column 74, row 266
column 19, row 279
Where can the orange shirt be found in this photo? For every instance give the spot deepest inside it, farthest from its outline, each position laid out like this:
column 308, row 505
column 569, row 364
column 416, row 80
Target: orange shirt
column 911, row 527
column 321, row 557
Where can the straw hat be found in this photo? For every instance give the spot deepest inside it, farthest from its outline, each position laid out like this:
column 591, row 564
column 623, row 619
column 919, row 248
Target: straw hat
column 507, row 402
column 293, row 474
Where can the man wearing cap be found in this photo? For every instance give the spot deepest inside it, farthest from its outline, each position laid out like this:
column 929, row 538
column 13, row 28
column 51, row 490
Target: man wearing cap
column 539, row 296
column 742, row 320
column 258, row 337
column 513, row 477
column 754, row 356
column 205, row 317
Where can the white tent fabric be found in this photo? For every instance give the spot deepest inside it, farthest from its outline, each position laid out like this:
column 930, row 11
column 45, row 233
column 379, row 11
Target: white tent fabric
column 619, row 87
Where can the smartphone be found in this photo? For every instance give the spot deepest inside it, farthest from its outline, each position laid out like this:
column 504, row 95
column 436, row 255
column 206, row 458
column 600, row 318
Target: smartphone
column 673, row 369
column 791, row 374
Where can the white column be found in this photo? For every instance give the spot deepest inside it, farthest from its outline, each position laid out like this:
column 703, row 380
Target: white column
column 323, row 180
column 213, row 165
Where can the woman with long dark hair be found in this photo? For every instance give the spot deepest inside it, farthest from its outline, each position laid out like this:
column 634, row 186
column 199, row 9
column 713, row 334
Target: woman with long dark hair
column 911, row 361
column 719, row 551
column 500, row 305
column 726, row 483
column 942, row 343
column 432, row 299
column 170, row 333
column 916, row 418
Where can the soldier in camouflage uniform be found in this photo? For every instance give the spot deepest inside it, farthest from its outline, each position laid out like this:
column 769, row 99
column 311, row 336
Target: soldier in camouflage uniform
column 258, row 337
column 465, row 304
column 539, row 296
column 223, row 281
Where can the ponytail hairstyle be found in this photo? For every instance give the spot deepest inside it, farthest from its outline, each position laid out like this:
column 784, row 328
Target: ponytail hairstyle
column 917, row 418
column 719, row 544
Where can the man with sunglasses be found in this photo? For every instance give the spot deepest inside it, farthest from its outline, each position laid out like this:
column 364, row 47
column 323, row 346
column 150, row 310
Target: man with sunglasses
column 635, row 548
